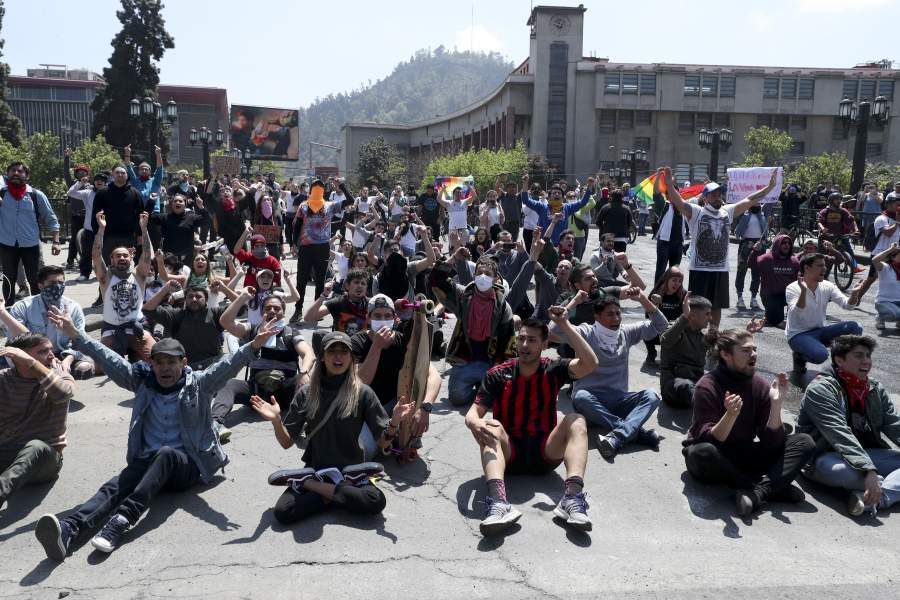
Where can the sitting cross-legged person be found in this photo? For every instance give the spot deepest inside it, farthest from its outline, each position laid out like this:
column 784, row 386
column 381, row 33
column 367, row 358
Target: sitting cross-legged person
column 737, row 437
column 524, row 436
column 683, row 349
column 847, row 413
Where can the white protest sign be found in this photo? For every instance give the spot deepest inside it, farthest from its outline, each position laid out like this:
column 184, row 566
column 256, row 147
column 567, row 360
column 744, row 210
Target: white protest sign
column 744, row 181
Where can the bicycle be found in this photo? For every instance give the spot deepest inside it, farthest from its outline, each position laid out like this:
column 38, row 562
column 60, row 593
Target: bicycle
column 632, row 229
column 841, row 267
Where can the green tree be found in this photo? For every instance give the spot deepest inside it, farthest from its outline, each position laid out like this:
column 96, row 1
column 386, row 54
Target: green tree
column 10, row 125
column 484, row 165
column 832, row 168
column 766, row 147
column 380, row 163
column 132, row 73
column 882, row 174
column 97, row 154
column 42, row 157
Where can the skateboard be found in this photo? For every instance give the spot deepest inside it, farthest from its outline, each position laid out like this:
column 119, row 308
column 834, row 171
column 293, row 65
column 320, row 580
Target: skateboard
column 414, row 373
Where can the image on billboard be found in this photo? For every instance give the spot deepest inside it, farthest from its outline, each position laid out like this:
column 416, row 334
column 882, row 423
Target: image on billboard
column 266, row 133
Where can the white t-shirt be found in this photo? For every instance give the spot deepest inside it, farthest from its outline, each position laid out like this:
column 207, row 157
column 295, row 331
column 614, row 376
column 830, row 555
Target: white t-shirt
column 812, row 315
column 529, row 218
column 360, row 235
column 884, row 242
column 888, row 284
column 362, row 205
column 337, row 197
column 458, row 212
column 493, row 216
column 408, row 240
column 122, row 300
column 343, row 265
column 710, row 233
column 753, row 231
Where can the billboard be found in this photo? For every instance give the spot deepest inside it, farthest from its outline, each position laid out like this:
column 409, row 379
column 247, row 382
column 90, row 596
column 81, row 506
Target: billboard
column 266, row 133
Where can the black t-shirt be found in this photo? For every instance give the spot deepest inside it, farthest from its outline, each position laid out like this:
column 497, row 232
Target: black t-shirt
column 614, row 218
column 198, row 331
column 671, row 306
column 336, row 444
column 348, row 317
column 384, row 384
column 177, row 231
column 430, row 208
column 525, row 406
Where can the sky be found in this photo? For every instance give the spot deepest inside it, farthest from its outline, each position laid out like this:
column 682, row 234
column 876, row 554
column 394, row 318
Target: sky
column 286, row 53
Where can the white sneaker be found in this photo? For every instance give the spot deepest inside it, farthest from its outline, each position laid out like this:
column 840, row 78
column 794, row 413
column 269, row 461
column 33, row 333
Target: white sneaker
column 500, row 516
column 879, row 323
column 753, row 304
column 83, row 278
column 855, row 504
column 740, row 303
column 573, row 510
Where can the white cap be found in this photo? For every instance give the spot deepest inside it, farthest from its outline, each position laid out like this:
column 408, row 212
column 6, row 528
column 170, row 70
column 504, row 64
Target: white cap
column 710, row 187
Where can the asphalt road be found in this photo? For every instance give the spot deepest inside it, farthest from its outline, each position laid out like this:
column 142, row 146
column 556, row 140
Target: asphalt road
column 657, row 533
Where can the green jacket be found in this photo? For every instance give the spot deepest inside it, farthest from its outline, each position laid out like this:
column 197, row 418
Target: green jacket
column 824, row 414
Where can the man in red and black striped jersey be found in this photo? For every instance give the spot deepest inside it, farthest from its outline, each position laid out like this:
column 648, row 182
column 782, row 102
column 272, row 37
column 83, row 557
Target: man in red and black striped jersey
column 524, row 436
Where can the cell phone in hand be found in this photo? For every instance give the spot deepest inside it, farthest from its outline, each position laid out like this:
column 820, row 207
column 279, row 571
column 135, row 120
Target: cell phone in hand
column 509, row 245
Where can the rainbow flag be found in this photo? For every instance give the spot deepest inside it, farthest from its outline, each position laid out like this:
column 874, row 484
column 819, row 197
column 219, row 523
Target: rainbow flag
column 644, row 190
column 445, row 186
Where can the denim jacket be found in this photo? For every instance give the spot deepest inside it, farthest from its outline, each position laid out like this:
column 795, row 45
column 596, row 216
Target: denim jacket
column 32, row 313
column 744, row 220
column 199, row 439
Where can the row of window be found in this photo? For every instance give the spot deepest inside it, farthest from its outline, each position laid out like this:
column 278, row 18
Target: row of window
column 782, row 122
column 630, row 83
column 689, row 123
column 612, row 120
column 711, row 86
column 67, row 94
column 868, row 88
column 789, row 88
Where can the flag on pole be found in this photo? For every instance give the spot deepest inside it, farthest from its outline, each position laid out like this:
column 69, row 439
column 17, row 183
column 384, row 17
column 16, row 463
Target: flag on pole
column 444, row 186
column 644, row 190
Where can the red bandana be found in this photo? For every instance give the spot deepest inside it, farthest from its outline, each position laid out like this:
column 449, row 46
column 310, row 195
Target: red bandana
column 16, row 191
column 144, row 177
column 857, row 389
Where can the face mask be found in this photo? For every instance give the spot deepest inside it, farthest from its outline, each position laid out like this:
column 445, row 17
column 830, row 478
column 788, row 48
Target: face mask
column 52, row 293
column 228, row 204
column 483, row 282
column 378, row 324
column 184, row 185
column 260, row 251
column 267, row 209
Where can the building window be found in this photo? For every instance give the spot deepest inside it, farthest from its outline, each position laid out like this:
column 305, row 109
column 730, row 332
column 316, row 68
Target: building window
column 789, row 88
column 867, row 89
column 685, row 122
column 873, row 149
column 648, row 84
column 691, row 85
column 710, row 87
column 781, row 122
column 797, row 149
column 607, row 121
column 704, row 121
column 763, row 120
column 642, row 143
column 612, row 83
column 69, row 94
column 838, row 129
column 806, row 88
column 726, row 87
column 721, row 120
column 798, row 122
column 34, row 93
column 770, row 87
column 886, row 88
column 643, row 118
column 626, row 119
column 629, row 83
column 849, row 89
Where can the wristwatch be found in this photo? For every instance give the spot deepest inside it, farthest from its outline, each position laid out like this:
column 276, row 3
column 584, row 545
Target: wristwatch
column 427, row 407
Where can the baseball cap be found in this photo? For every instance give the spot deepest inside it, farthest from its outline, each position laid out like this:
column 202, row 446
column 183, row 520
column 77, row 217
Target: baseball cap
column 258, row 239
column 380, row 301
column 265, row 272
column 710, row 187
column 169, row 346
column 834, row 195
column 335, row 337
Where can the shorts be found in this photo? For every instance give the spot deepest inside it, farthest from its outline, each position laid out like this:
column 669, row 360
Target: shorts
column 527, row 457
column 712, row 285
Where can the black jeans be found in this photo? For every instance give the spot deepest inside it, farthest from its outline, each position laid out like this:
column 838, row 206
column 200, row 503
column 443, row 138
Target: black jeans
column 526, row 237
column 292, row 506
column 750, row 466
column 87, row 245
column 678, row 393
column 311, row 262
column 775, row 305
column 10, row 256
column 513, row 228
column 76, row 222
column 129, row 493
column 668, row 254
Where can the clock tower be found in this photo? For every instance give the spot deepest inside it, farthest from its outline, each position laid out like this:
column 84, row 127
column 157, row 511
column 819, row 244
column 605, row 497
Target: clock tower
column 556, row 47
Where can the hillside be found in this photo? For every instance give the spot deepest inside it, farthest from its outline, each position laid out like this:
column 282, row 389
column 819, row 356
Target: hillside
column 430, row 83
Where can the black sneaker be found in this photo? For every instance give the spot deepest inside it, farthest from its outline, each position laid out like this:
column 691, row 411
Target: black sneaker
column 790, row 494
column 608, row 445
column 55, row 536
column 108, row 538
column 746, row 502
column 799, row 363
column 649, row 438
column 287, row 476
column 358, row 475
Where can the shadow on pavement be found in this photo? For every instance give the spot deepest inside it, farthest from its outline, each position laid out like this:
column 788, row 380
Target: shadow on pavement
column 24, row 500
column 674, row 419
column 709, row 502
column 836, row 499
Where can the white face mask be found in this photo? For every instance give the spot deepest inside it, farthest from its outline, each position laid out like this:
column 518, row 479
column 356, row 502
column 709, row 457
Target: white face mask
column 377, row 325
column 483, row 282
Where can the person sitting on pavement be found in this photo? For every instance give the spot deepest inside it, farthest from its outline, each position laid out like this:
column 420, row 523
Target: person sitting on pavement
column 122, row 291
column 887, row 301
column 349, row 310
column 30, row 314
column 777, row 269
column 257, row 259
column 584, row 279
column 380, row 352
column 807, row 301
column 683, row 349
column 484, row 334
column 603, row 396
column 746, row 449
column 171, row 441
column 332, row 409
column 847, row 413
column 669, row 295
column 36, row 394
column 524, row 436
column 751, row 228
column 510, row 255
column 609, row 265
column 196, row 326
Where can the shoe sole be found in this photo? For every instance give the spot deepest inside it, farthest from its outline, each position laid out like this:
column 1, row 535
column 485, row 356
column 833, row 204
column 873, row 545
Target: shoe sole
column 564, row 517
column 490, row 529
column 363, row 471
column 225, row 437
column 101, row 546
column 49, row 533
column 284, row 476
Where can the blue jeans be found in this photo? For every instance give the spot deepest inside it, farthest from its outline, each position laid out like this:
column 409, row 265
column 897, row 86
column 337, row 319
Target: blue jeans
column 813, row 345
column 642, row 223
column 464, row 381
column 831, row 470
column 623, row 416
column 889, row 311
column 845, row 245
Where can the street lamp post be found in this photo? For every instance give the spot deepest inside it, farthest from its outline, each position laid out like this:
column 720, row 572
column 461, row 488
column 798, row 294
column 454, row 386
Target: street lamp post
column 860, row 115
column 153, row 112
column 205, row 137
column 714, row 139
column 632, row 157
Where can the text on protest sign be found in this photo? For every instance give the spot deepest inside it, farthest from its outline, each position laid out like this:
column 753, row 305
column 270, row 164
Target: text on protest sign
column 744, row 181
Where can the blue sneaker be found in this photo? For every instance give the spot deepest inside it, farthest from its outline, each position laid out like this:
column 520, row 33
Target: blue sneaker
column 55, row 536
column 573, row 510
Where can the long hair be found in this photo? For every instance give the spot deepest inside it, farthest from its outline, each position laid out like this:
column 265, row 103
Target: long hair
column 663, row 282
column 347, row 396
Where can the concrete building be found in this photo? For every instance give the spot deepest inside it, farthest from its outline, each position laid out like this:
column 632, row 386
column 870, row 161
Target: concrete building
column 57, row 100
column 581, row 112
